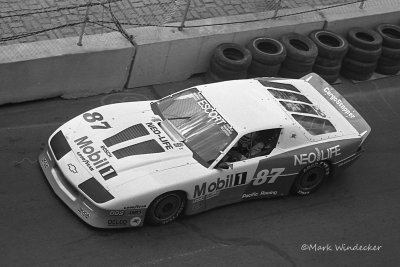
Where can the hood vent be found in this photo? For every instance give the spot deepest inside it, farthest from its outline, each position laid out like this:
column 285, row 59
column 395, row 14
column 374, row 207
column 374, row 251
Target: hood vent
column 148, row 147
column 132, row 132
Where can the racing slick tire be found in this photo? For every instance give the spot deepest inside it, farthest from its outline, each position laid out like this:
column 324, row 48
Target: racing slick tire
column 387, row 69
column 299, row 66
column 224, row 73
column 364, row 38
column 393, row 53
column 166, row 208
column 327, row 62
column 310, row 178
column 299, row 47
column 232, row 56
column 330, row 45
column 287, row 73
column 390, row 34
column 363, row 55
column 357, row 66
column 267, row 51
column 258, row 69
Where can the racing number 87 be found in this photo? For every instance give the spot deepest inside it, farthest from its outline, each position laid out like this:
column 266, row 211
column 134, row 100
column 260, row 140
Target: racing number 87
column 264, row 176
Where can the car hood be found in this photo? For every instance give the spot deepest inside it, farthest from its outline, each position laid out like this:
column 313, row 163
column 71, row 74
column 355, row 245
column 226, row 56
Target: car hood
column 121, row 142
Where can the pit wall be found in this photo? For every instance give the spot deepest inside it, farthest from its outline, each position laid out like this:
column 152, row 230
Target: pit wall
column 108, row 62
column 168, row 55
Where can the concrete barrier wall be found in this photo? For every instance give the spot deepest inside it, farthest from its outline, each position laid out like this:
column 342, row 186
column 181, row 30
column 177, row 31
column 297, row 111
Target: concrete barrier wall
column 61, row 68
column 167, row 55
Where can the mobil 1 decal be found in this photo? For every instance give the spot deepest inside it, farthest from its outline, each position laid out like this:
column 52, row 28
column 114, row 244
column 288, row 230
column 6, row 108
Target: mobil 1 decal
column 93, row 158
column 270, row 179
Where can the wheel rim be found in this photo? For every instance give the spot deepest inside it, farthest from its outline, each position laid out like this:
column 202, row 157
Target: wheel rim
column 312, row 178
column 167, row 207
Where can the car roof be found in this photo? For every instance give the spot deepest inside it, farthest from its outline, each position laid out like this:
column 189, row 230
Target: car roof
column 246, row 105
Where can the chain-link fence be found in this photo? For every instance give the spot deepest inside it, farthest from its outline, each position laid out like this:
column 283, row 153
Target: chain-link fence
column 34, row 20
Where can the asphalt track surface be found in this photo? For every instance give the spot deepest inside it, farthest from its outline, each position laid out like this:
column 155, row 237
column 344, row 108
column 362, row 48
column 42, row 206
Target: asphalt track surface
column 361, row 206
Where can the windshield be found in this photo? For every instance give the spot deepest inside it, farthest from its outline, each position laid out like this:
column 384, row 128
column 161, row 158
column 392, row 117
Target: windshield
column 205, row 131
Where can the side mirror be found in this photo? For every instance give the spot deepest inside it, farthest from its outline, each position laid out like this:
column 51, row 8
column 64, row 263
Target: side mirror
column 224, row 165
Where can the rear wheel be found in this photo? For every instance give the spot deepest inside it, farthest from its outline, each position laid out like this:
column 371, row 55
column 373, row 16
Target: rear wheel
column 165, row 208
column 310, row 178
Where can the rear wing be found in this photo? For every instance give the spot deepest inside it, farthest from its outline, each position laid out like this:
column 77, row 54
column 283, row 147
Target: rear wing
column 340, row 103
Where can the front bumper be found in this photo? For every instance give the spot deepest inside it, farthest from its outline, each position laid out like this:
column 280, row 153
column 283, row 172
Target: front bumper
column 80, row 205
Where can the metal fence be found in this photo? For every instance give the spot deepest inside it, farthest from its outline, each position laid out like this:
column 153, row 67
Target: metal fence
column 34, row 20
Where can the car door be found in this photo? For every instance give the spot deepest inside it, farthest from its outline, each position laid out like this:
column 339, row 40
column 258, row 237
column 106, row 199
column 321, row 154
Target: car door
column 251, row 176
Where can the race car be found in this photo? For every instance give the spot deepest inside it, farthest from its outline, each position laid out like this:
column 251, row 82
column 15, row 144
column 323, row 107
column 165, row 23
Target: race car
column 125, row 164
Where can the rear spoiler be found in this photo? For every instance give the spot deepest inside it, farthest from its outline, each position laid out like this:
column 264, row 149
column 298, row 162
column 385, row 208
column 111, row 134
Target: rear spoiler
column 340, row 103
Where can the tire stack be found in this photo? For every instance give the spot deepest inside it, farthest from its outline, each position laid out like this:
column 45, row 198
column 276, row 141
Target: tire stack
column 267, row 56
column 229, row 62
column 389, row 62
column 331, row 50
column 365, row 47
column 301, row 55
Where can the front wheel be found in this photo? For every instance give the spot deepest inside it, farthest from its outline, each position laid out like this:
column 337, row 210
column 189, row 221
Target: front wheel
column 165, row 208
column 310, row 178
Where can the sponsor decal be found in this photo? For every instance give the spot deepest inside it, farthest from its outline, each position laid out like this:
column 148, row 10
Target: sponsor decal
column 72, row 168
column 211, row 112
column 231, row 180
column 44, row 163
column 96, row 117
column 133, row 212
column 135, row 207
column 84, row 213
column 114, row 222
column 135, row 221
column 264, row 176
column 108, row 153
column 196, row 206
column 178, row 144
column 319, row 155
column 338, row 102
column 117, row 212
column 92, row 157
column 162, row 138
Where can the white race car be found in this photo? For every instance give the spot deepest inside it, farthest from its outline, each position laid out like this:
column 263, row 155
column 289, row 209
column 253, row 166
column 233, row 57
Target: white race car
column 124, row 164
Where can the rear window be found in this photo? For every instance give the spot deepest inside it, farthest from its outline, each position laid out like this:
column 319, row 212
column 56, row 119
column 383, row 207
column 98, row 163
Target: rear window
column 314, row 125
column 276, row 85
column 298, row 107
column 289, row 96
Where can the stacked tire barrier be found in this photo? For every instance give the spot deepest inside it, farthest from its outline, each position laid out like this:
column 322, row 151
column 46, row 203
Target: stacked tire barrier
column 301, row 55
column 389, row 62
column 267, row 56
column 331, row 50
column 229, row 62
column 365, row 48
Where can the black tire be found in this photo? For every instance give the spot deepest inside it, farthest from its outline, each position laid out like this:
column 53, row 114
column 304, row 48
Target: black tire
column 357, row 66
column 212, row 78
column 388, row 70
column 267, row 51
column 298, row 66
column 287, row 73
column 364, row 38
column 310, row 178
column 363, row 55
column 330, row 45
column 258, row 69
column 349, row 74
column 386, row 61
column 226, row 74
column 330, row 78
column 326, row 70
column 328, row 62
column 390, row 52
column 232, row 56
column 390, row 34
column 165, row 208
column 299, row 47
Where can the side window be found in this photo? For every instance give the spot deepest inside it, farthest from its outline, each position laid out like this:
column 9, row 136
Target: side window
column 253, row 145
